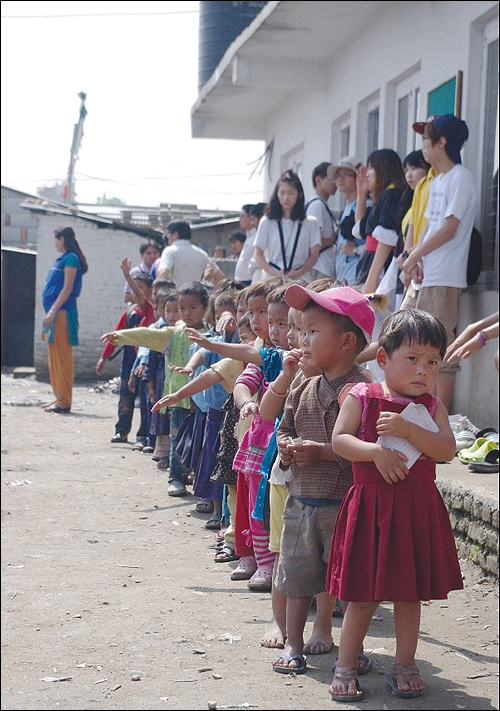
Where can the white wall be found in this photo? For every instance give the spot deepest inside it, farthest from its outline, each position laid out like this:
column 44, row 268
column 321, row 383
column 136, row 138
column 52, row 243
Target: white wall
column 101, row 301
column 433, row 35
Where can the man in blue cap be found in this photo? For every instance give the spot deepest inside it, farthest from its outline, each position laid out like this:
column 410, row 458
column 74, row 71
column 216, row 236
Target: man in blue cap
column 444, row 247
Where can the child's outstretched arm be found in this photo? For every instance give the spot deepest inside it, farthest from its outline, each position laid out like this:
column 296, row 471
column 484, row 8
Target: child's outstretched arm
column 345, row 443
column 194, row 362
column 437, row 445
column 125, row 265
column 156, row 339
column 236, row 351
column 201, row 382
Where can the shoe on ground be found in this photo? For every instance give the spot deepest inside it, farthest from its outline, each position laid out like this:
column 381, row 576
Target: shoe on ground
column 176, row 488
column 147, row 449
column 478, row 451
column 138, row 447
column 460, row 422
column 246, row 568
column 488, row 466
column 463, row 440
column 58, row 410
column 119, row 438
column 262, row 579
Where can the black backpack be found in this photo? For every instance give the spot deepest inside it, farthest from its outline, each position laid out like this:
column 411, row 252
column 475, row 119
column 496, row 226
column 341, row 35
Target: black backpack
column 475, row 258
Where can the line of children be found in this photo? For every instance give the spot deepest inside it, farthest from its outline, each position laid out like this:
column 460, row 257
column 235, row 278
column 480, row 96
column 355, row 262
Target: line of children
column 328, row 544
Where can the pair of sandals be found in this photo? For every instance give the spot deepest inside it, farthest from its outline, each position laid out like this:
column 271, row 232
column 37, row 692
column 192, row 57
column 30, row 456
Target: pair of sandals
column 346, row 676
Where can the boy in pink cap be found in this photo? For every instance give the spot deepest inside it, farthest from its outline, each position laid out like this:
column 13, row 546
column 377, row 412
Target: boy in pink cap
column 337, row 324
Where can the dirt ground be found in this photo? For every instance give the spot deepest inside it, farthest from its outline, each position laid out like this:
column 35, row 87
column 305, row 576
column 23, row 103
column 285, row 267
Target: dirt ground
column 111, row 598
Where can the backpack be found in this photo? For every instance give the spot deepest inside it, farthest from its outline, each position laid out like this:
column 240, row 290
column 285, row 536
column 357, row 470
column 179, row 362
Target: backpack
column 475, row 258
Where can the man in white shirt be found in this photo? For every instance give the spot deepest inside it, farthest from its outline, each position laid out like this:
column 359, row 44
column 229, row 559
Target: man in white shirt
column 444, row 247
column 182, row 261
column 317, row 206
column 243, row 271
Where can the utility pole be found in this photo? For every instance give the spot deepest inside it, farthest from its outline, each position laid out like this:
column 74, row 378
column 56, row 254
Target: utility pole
column 69, row 188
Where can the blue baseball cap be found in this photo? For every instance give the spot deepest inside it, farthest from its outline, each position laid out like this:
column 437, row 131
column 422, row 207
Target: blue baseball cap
column 452, row 128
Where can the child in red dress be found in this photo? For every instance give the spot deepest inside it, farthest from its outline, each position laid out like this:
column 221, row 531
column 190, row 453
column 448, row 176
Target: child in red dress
column 393, row 539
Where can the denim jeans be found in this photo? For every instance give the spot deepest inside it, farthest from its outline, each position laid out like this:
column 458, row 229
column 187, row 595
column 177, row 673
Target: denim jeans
column 177, row 417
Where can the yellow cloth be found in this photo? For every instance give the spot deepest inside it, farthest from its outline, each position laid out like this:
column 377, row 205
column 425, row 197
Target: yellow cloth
column 419, row 205
column 60, row 360
column 228, row 369
column 405, row 222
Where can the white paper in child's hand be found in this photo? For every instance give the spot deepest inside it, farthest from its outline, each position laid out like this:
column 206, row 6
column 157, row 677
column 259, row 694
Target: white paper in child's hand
column 418, row 415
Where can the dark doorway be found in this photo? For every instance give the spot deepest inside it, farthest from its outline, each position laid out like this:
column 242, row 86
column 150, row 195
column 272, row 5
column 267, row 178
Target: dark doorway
column 18, row 307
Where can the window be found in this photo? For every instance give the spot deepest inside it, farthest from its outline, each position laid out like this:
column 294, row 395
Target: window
column 406, row 110
column 294, row 160
column 373, row 121
column 341, row 137
column 345, row 135
column 489, row 162
column 367, row 128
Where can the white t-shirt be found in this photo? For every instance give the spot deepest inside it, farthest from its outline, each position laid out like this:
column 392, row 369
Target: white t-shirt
column 318, row 209
column 452, row 194
column 268, row 239
column 184, row 262
column 242, row 269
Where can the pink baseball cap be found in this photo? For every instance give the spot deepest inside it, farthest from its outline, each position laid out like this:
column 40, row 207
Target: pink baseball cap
column 341, row 300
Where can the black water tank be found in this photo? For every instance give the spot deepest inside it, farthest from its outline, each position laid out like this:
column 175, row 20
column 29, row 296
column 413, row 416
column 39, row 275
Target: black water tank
column 220, row 24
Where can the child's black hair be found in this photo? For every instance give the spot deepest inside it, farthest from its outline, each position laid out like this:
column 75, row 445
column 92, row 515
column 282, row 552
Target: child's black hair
column 146, row 278
column 263, row 287
column 164, row 284
column 277, row 295
column 412, row 326
column 229, row 285
column 227, row 299
column 195, row 288
column 244, row 321
column 324, row 283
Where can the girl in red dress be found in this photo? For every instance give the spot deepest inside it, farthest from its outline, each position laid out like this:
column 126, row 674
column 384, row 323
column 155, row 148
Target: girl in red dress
column 393, row 540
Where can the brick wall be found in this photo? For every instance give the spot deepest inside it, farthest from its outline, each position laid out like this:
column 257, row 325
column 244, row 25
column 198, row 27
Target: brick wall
column 475, row 523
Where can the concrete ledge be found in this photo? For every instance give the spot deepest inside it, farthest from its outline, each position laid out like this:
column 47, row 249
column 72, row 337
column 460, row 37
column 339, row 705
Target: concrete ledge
column 473, row 504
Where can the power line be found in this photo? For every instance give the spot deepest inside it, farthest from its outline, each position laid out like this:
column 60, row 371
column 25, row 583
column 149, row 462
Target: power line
column 99, row 14
column 167, row 177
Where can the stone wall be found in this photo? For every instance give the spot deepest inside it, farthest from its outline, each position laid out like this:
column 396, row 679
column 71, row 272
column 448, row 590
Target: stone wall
column 474, row 520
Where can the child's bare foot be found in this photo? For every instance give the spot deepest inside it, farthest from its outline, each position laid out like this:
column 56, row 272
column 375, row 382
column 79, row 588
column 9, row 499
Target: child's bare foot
column 273, row 638
column 345, row 685
column 318, row 643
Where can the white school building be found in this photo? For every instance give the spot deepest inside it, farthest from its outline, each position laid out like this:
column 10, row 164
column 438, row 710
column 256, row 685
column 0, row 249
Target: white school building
column 316, row 81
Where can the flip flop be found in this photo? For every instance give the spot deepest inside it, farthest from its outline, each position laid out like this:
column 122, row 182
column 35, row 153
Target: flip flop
column 488, row 466
column 346, row 676
column 365, row 668
column 204, row 506
column 225, row 555
column 213, row 523
column 407, row 672
column 300, row 669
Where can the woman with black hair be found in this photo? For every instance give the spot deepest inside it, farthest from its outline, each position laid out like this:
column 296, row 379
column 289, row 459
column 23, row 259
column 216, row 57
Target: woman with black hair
column 383, row 178
column 60, row 325
column 288, row 241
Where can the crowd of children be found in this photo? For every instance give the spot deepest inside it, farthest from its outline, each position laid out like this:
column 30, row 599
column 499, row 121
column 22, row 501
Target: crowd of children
column 318, row 482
